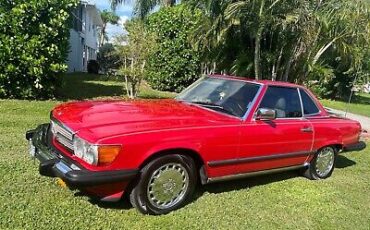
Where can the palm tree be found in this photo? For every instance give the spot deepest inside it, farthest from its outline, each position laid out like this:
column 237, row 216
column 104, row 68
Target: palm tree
column 107, row 17
column 143, row 7
column 251, row 24
column 286, row 38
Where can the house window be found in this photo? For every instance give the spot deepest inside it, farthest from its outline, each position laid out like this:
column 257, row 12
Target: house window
column 84, row 56
column 77, row 18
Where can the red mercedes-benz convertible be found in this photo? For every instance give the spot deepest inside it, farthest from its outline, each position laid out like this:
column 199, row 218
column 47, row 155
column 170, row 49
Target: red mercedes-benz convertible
column 219, row 128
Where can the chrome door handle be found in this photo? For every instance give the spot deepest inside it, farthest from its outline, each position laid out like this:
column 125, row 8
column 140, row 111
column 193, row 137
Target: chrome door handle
column 306, row 130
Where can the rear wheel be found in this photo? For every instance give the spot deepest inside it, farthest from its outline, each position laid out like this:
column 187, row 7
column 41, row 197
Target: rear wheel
column 165, row 184
column 322, row 165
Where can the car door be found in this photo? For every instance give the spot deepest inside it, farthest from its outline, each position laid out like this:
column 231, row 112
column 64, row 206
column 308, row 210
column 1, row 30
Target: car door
column 283, row 142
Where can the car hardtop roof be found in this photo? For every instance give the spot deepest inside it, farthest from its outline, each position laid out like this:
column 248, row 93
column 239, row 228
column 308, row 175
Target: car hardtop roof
column 263, row 82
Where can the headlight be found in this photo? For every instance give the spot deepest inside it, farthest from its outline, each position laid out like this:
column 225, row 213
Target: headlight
column 79, row 147
column 95, row 154
column 85, row 150
column 91, row 155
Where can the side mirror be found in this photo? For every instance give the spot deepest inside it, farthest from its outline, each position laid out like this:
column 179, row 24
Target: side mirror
column 265, row 114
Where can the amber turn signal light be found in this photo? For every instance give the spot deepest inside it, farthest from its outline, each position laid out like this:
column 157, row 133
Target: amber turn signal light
column 108, row 153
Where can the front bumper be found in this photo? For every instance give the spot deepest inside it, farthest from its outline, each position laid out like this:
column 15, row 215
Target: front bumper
column 54, row 164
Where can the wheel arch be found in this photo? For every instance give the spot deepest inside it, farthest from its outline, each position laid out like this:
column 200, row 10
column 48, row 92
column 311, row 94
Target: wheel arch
column 198, row 160
column 337, row 146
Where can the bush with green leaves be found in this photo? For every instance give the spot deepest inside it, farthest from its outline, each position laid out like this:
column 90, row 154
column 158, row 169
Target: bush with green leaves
column 107, row 58
column 33, row 46
column 175, row 63
column 134, row 48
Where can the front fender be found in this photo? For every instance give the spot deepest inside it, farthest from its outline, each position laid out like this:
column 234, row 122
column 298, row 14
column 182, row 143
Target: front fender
column 178, row 145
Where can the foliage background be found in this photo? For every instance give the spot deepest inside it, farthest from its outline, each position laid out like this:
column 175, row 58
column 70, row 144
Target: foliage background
column 33, row 46
column 107, row 57
column 175, row 63
column 325, row 42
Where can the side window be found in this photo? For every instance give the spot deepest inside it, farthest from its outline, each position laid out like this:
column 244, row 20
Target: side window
column 309, row 106
column 285, row 101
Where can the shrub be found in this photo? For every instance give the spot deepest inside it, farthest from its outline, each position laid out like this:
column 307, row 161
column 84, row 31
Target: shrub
column 93, row 66
column 107, row 58
column 139, row 44
column 33, row 46
column 175, row 63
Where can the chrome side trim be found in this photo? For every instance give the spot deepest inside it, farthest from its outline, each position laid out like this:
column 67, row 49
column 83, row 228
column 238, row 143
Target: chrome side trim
column 300, row 99
column 251, row 174
column 258, row 158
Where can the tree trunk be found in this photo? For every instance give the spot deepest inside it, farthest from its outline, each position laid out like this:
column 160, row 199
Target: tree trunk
column 102, row 35
column 126, row 79
column 322, row 51
column 132, row 84
column 278, row 63
column 273, row 72
column 257, row 55
column 287, row 68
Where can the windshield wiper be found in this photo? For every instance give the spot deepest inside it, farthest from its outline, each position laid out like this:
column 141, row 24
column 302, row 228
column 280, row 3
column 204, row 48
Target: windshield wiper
column 213, row 105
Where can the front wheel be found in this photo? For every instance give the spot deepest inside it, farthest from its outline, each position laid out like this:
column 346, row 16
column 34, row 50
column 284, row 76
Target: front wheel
column 322, row 165
column 165, row 184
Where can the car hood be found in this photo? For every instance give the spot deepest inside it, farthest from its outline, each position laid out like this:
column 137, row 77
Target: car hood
column 95, row 120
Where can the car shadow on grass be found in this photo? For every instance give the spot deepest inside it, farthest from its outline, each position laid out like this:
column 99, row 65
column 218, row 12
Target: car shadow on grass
column 226, row 186
column 343, row 162
column 247, row 183
column 122, row 204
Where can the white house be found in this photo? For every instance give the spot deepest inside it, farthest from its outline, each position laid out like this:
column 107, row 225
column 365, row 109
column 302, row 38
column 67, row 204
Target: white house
column 83, row 40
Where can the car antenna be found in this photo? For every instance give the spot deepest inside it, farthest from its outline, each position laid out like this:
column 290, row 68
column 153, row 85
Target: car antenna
column 350, row 96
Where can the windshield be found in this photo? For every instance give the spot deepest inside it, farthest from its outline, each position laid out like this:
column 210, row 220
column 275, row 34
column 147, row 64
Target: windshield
column 224, row 95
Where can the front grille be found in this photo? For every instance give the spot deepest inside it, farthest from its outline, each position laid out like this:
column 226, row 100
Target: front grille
column 62, row 135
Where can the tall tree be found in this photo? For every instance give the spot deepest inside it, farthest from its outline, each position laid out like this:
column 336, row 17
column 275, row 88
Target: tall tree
column 143, row 7
column 134, row 48
column 107, row 17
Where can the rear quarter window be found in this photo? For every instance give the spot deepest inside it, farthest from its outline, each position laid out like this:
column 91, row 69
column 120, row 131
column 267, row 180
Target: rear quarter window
column 309, row 106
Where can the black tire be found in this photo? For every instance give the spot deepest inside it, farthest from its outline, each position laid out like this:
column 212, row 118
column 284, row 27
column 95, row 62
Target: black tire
column 136, row 201
column 313, row 171
column 182, row 166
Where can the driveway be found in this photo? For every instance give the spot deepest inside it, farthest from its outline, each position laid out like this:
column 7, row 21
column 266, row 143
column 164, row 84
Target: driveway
column 364, row 121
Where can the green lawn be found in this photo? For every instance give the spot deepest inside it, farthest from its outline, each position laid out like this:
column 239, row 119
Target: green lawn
column 359, row 105
column 87, row 86
column 285, row 200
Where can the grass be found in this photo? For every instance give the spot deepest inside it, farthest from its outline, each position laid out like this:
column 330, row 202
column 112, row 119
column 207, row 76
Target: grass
column 359, row 105
column 284, row 201
column 87, row 86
